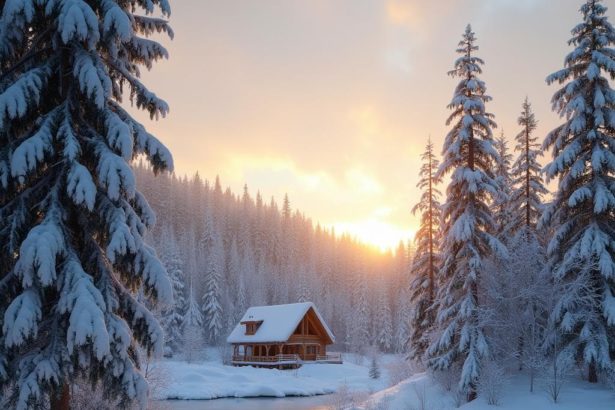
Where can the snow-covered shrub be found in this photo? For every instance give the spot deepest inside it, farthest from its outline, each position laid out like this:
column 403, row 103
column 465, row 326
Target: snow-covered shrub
column 156, row 375
column 561, row 365
column 345, row 399
column 446, row 379
column 491, row 383
column 400, row 370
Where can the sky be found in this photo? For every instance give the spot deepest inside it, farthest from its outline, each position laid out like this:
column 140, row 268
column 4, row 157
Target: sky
column 333, row 101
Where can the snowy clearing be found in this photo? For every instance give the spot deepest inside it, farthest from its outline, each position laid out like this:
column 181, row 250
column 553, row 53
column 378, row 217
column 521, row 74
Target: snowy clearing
column 211, row 380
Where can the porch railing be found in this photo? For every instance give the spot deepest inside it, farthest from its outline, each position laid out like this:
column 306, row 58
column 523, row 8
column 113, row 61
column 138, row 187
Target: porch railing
column 267, row 359
column 331, row 357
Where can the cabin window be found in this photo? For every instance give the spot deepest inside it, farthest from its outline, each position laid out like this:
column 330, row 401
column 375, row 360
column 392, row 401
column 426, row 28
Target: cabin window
column 252, row 327
column 312, row 349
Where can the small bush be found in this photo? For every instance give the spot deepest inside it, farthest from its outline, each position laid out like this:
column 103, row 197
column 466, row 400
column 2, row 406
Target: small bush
column 400, row 370
column 344, row 398
column 447, row 379
column 491, row 382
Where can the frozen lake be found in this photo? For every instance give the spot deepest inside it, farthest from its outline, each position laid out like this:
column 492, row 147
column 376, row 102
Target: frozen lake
column 295, row 403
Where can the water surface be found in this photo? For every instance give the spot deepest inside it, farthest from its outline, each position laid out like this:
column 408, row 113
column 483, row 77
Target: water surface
column 287, row 403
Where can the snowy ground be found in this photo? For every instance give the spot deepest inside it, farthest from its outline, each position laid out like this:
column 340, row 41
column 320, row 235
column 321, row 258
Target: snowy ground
column 350, row 386
column 211, row 379
column 421, row 393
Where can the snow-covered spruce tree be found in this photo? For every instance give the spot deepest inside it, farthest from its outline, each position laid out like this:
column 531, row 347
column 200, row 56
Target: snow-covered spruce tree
column 584, row 205
column 468, row 225
column 192, row 325
column 374, row 367
column 173, row 315
column 528, row 187
column 72, row 222
column 212, row 308
column 359, row 336
column 384, row 323
column 502, row 211
column 426, row 258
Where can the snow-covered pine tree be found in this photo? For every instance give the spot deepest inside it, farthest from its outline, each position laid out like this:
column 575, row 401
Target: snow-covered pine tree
column 524, row 278
column 192, row 325
column 528, row 188
column 374, row 368
column 303, row 285
column 212, row 308
column 72, row 222
column 173, row 314
column 359, row 338
column 502, row 211
column 426, row 257
column 239, row 303
column 468, row 224
column 384, row 323
column 403, row 322
column 583, row 208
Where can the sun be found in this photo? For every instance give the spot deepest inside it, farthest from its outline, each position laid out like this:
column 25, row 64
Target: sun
column 382, row 235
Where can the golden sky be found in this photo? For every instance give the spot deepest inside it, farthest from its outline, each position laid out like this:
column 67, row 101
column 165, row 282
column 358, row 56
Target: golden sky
column 332, row 101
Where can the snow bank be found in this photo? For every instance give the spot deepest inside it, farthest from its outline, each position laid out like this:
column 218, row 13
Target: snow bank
column 212, row 380
column 516, row 396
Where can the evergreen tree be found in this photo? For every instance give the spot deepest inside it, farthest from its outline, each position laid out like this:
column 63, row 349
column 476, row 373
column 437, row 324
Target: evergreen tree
column 468, row 225
column 526, row 197
column 426, row 257
column 403, row 322
column 582, row 248
column 374, row 368
column 502, row 211
column 72, row 222
column 173, row 315
column 212, row 309
column 192, row 325
column 384, row 323
column 303, row 291
column 359, row 339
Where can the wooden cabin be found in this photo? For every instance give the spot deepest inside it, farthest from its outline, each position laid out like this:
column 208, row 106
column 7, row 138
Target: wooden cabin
column 282, row 336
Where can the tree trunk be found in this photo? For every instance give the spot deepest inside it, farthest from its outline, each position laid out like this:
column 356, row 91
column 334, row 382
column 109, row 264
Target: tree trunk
column 592, row 372
column 472, row 393
column 61, row 399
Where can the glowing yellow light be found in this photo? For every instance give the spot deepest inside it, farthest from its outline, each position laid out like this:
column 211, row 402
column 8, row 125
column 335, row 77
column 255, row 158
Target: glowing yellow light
column 379, row 234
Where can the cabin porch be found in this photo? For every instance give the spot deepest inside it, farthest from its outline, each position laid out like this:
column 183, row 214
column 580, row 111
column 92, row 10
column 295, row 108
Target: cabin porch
column 281, row 355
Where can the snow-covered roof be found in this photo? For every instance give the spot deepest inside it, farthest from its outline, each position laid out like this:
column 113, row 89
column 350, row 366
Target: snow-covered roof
column 278, row 323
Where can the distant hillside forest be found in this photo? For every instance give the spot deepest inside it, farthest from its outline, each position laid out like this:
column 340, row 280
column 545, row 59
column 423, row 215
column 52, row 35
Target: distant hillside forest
column 226, row 252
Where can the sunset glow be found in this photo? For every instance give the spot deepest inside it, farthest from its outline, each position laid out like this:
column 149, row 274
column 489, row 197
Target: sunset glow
column 332, row 102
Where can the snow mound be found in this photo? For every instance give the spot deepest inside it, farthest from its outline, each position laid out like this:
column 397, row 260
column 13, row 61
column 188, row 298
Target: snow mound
column 209, row 380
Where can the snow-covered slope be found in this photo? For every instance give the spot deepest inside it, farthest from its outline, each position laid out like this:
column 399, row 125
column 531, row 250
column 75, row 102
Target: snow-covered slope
column 576, row 395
